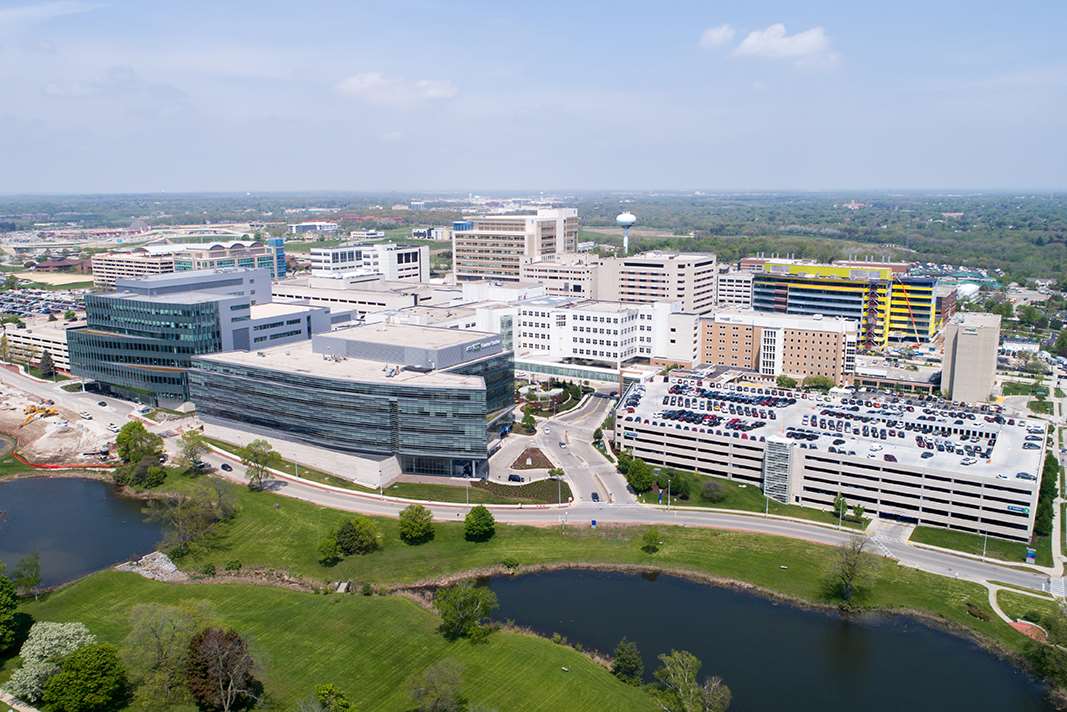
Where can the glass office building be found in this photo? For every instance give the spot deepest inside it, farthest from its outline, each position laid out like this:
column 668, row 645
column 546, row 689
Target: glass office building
column 438, row 421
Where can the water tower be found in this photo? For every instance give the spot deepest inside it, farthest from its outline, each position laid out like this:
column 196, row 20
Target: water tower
column 626, row 221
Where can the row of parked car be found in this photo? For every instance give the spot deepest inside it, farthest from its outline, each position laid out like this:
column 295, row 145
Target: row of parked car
column 717, row 407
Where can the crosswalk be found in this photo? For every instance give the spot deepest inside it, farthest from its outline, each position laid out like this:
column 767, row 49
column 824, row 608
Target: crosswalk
column 1056, row 586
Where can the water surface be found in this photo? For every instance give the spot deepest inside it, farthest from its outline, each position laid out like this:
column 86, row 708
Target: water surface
column 76, row 525
column 774, row 656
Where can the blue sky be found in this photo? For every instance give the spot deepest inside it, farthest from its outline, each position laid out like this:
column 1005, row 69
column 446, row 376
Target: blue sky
column 147, row 96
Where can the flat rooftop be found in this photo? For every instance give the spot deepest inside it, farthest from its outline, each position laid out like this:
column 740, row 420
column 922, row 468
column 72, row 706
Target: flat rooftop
column 262, row 311
column 889, row 412
column 299, row 358
column 429, row 337
column 190, row 297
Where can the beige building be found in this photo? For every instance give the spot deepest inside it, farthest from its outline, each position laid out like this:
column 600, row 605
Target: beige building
column 566, row 275
column 496, row 246
column 969, row 364
column 27, row 345
column 110, row 266
column 773, row 344
column 689, row 278
column 734, row 289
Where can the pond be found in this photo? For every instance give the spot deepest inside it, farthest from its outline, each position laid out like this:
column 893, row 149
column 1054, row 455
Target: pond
column 773, row 655
column 76, row 525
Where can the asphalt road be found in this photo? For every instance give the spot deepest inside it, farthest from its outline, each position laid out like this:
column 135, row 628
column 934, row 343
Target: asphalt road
column 575, row 429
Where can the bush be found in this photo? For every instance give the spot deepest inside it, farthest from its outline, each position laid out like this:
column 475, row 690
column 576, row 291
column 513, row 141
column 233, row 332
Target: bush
column 208, row 569
column 639, row 476
column 650, row 541
column 91, row 679
column 233, row 565
column 479, row 524
column 329, row 551
column 510, row 563
column 9, row 603
column 713, row 492
column 358, row 536
column 366, row 589
column 416, row 524
column 627, row 664
column 784, row 381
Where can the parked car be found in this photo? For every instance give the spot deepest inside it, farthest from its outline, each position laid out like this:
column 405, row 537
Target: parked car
column 516, row 478
column 102, row 404
column 226, row 467
column 595, row 497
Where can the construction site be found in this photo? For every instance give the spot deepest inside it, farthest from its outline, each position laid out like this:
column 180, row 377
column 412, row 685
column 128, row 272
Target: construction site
column 46, row 433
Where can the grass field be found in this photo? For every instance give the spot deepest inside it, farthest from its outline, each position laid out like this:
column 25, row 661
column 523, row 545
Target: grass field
column 62, row 287
column 291, row 468
column 1019, row 605
column 1011, row 551
column 301, row 246
column 371, row 647
column 275, row 532
column 11, row 466
column 749, row 498
column 1041, row 407
column 541, row 492
column 1017, row 388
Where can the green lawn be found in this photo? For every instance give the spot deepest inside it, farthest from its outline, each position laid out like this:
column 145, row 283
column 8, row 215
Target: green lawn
column 1017, row 388
column 271, row 531
column 291, row 468
column 88, row 284
column 11, row 466
column 1059, row 393
column 540, row 492
column 371, row 647
column 749, row 498
column 1041, row 407
column 1002, row 549
column 1019, row 605
column 36, row 373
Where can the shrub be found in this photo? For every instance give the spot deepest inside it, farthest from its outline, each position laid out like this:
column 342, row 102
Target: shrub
column 639, row 475
column 91, row 679
column 358, row 536
column 479, row 524
column 233, row 565
column 510, row 563
column 650, row 541
column 713, row 492
column 329, row 551
column 366, row 589
column 208, row 569
column 416, row 524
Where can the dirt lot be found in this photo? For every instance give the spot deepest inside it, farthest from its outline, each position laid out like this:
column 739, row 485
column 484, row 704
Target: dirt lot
column 57, row 439
column 54, row 278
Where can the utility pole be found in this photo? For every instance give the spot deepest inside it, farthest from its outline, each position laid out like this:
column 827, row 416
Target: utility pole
column 668, row 493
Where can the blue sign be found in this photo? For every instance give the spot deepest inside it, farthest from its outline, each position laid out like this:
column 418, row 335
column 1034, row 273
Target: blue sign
column 594, row 524
column 1017, row 508
column 1031, row 555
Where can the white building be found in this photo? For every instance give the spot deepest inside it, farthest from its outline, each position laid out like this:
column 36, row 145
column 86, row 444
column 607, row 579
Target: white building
column 689, row 278
column 367, row 234
column 27, row 345
column 734, row 289
column 610, row 333
column 569, row 274
column 391, row 261
column 313, row 226
column 431, row 233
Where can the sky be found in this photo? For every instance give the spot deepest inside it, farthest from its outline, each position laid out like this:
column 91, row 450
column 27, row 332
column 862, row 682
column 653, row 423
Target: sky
column 119, row 96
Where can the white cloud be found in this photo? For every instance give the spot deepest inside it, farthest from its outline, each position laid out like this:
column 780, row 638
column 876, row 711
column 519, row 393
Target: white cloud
column 42, row 12
column 717, row 36
column 376, row 88
column 809, row 46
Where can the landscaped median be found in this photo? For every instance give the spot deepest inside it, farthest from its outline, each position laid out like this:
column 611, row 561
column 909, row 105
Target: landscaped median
column 478, row 492
column 975, row 544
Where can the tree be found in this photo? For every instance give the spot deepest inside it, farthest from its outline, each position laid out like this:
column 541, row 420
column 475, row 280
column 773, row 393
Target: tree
column 817, row 383
column 27, row 573
column 155, row 651
column 256, row 457
column 191, row 447
column 70, row 315
column 840, row 506
column 45, row 365
column 462, row 608
column 9, row 604
column 188, row 517
column 416, row 524
column 681, row 690
column 134, row 443
column 598, row 435
column 45, row 646
column 627, row 664
column 650, row 541
column 358, row 536
column 851, row 568
column 220, row 670
column 479, row 524
column 5, row 348
column 712, row 492
column 332, row 699
column 639, row 475
column 91, row 679
column 528, row 423
column 329, row 550
column 1059, row 347
column 857, row 512
column 438, row 689
column 784, row 381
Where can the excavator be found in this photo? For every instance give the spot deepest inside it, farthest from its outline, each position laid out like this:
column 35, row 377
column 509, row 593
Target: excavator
column 33, row 412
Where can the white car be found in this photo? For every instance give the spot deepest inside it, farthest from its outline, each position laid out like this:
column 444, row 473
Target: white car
column 112, row 427
column 548, row 431
column 563, row 444
column 86, row 415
